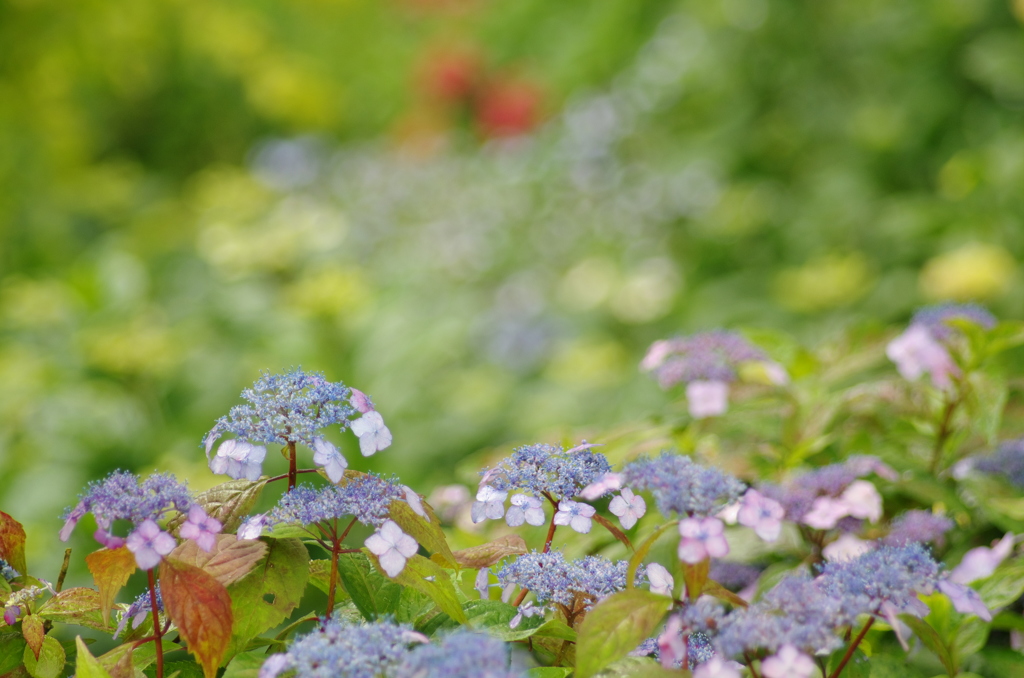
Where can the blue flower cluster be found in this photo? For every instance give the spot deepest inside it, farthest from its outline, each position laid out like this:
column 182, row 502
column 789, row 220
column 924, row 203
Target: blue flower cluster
column 550, row 577
column 6, row 571
column 678, row 484
column 1007, row 461
column 366, row 498
column 342, row 650
column 934, row 318
column 125, row 496
column 886, row 574
column 706, row 356
column 918, row 526
column 287, row 408
column 462, row 654
column 548, row 468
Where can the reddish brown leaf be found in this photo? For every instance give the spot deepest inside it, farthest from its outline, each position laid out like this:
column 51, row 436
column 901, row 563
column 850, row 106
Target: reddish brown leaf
column 200, row 607
column 32, row 629
column 230, row 560
column 12, row 542
column 488, row 554
column 110, row 570
column 616, row 532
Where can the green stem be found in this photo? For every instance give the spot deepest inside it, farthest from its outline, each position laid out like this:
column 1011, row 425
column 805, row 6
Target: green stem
column 943, row 434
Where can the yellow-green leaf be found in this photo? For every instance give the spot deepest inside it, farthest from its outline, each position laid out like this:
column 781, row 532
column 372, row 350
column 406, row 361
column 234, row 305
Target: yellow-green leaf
column 616, row 626
column 49, row 663
column 87, row 666
column 110, row 570
column 430, row 578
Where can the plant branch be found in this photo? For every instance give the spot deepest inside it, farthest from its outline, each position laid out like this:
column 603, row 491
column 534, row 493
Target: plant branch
column 158, row 633
column 285, row 475
column 63, row 571
column 850, row 650
column 943, row 434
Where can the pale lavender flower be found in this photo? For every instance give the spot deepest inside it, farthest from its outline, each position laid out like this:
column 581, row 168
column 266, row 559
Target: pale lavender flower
column 846, row 547
column 361, row 401
column 1007, row 461
column 149, row 544
column 373, row 435
column 327, row 455
column 706, row 356
column 239, row 459
column 413, row 499
column 762, row 514
column 917, row 352
column 628, row 507
column 367, row 498
column 919, row 526
column 716, row 667
column 825, row 513
column 252, row 527
column 981, row 562
column 671, row 646
column 108, row 540
column 609, row 482
column 201, row 528
column 392, row 547
column 482, row 582
column 525, row 509
column 490, row 503
column 681, row 486
column 701, row 538
column 525, row 611
column 788, row 662
column 576, row 515
column 965, row 599
column 661, row 580
column 707, row 398
column 863, row 500
column 139, row 610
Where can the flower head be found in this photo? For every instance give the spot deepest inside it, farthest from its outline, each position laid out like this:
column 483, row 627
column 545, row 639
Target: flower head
column 575, row 514
column 707, row 398
column 1007, row 461
column 920, row 526
column 125, row 496
column 139, row 610
column 886, row 574
column 788, row 662
column 549, row 576
column 762, row 514
column 490, row 503
column 462, row 654
column 366, row 498
column 238, row 459
column 682, row 486
column 525, row 509
column 707, row 356
column 701, row 538
column 539, row 469
column 373, row 435
column 628, row 507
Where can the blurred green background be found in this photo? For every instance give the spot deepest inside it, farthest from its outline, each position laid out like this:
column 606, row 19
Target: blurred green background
column 478, row 212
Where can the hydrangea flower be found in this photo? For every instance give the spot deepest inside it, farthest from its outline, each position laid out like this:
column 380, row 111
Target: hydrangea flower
column 920, row 526
column 628, row 507
column 1007, row 461
column 462, row 654
column 982, row 561
column 892, row 575
column 547, row 469
column 525, row 509
column 125, row 496
column 293, row 408
column 608, row 482
column 392, row 547
column 762, row 514
column 150, row 544
column 661, row 579
column 6, row 571
column 965, row 599
column 701, row 538
column 788, row 662
column 575, row 514
column 201, row 528
column 366, row 498
column 921, row 349
column 550, row 577
column 679, row 485
column 799, row 495
column 490, row 503
column 139, row 610
column 716, row 667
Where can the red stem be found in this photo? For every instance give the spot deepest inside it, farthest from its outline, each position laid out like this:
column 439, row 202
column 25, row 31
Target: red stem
column 850, row 650
column 158, row 633
column 291, row 465
column 285, row 475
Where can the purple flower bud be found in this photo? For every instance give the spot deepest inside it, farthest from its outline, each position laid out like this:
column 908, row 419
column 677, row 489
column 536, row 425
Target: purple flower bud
column 11, row 614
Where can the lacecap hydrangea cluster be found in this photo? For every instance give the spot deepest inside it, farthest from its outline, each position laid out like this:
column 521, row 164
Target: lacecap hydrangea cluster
column 924, row 347
column 552, row 578
column 290, row 409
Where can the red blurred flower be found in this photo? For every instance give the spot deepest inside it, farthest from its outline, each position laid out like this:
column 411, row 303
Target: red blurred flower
column 508, row 108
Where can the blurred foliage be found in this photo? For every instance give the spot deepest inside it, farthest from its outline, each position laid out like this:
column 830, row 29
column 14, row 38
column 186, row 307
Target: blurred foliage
column 479, row 213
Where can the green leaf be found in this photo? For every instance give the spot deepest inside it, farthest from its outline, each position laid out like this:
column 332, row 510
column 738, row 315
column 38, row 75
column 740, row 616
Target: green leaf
column 229, row 560
column 320, row 577
column 228, row 502
column 970, row 637
column 930, row 637
column 1004, row 586
column 269, row 593
column 12, row 647
column 616, row 626
column 859, row 665
column 885, row 666
column 549, row 672
column 713, row 588
column 87, row 666
column 245, row 664
column 116, row 661
column 77, row 605
column 639, row 667
column 412, row 605
column 50, row 663
column 427, row 533
column 32, row 630
column 643, row 550
column 430, row 578
column 372, row 593
column 183, row 669
column 985, row 404
column 12, row 543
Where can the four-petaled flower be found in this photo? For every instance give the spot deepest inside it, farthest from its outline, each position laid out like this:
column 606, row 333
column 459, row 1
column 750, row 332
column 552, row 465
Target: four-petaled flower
column 716, row 667
column 327, row 455
column 150, row 544
column 661, row 579
column 490, row 503
column 201, row 528
column 373, row 435
column 762, row 514
column 965, row 599
column 575, row 514
column 707, row 398
column 788, row 662
column 392, row 547
column 252, row 527
column 982, row 561
column 525, row 509
column 237, row 459
column 701, row 538
column 917, row 352
column 628, row 507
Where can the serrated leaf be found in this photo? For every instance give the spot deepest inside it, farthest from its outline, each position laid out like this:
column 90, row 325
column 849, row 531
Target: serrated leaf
column 87, row 666
column 200, row 607
column 270, row 592
column 12, row 647
column 488, row 554
column 110, row 570
column 50, row 662
column 320, row 577
column 930, row 637
column 228, row 502
column 427, row 533
column 430, row 578
column 643, row 550
column 615, row 532
column 12, row 543
column 230, row 559
column 615, row 627
column 77, row 605
column 33, row 632
column 372, row 593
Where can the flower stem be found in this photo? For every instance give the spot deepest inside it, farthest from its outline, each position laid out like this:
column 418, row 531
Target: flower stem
column 63, row 570
column 943, row 434
column 158, row 634
column 285, row 475
column 750, row 665
column 332, row 588
column 292, row 472
column 850, row 650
